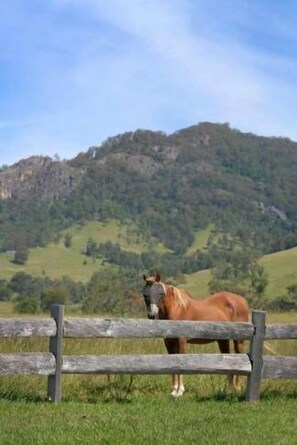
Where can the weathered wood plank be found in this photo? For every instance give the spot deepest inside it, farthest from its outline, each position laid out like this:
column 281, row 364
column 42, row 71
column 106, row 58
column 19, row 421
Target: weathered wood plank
column 256, row 356
column 140, row 328
column 157, row 364
column 279, row 367
column 281, row 331
column 27, row 327
column 27, row 363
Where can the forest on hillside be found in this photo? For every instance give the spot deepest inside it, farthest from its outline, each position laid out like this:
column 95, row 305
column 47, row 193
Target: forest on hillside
column 169, row 186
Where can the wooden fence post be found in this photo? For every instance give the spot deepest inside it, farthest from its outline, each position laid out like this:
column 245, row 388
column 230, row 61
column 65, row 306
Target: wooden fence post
column 54, row 383
column 256, row 356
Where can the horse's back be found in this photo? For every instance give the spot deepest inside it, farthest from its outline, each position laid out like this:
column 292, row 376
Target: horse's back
column 233, row 305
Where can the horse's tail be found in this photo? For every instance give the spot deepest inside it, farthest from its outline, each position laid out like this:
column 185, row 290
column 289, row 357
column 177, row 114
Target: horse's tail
column 269, row 348
column 266, row 345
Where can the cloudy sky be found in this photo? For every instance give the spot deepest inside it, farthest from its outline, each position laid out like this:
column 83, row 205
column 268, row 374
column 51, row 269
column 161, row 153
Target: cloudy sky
column 74, row 72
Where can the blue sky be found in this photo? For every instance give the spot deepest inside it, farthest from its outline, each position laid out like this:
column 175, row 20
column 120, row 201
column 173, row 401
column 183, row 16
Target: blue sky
column 74, row 72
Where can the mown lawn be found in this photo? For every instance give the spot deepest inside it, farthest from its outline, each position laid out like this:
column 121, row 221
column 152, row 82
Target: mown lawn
column 151, row 419
column 139, row 410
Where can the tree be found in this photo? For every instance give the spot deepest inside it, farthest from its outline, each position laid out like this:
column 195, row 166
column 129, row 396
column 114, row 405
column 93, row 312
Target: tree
column 286, row 302
column 68, row 240
column 109, row 292
column 21, row 253
column 53, row 295
column 5, row 291
column 238, row 271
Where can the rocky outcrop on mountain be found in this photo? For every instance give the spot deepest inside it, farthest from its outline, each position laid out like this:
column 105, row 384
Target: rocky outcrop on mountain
column 169, row 185
column 39, row 177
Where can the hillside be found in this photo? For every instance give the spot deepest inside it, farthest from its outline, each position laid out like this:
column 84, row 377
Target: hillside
column 56, row 261
column 280, row 267
column 206, row 197
column 174, row 188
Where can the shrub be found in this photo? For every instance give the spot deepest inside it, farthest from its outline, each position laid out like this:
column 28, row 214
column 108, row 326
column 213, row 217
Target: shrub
column 27, row 305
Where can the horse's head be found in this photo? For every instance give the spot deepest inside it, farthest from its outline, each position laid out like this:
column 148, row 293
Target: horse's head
column 153, row 293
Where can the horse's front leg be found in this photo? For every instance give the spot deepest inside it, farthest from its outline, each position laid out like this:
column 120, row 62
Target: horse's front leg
column 177, row 346
column 182, row 349
column 172, row 346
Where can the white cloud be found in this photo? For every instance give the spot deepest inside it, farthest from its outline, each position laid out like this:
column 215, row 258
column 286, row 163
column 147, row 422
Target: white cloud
column 231, row 77
column 117, row 65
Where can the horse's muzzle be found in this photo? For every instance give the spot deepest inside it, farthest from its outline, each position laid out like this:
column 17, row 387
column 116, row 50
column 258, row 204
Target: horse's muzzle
column 151, row 316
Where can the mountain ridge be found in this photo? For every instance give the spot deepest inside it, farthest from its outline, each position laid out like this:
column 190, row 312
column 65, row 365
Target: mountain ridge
column 168, row 184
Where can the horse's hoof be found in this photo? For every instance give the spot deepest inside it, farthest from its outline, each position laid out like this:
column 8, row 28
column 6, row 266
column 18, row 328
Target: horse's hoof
column 177, row 392
column 180, row 392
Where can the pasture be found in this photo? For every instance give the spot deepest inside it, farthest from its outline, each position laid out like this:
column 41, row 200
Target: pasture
column 138, row 409
column 280, row 267
column 56, row 261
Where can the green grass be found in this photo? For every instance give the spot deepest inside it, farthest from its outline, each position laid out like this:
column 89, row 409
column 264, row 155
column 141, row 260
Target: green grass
column 282, row 271
column 125, row 410
column 56, row 261
column 200, row 239
column 150, row 420
column 281, row 268
column 197, row 283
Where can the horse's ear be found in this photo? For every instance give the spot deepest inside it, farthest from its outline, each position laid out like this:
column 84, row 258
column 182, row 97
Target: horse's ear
column 158, row 277
column 144, row 277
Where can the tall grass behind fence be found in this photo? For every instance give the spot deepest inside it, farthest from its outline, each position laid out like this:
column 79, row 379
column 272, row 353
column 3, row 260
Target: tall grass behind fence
column 89, row 388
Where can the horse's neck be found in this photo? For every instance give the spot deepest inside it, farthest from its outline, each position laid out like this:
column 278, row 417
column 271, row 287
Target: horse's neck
column 173, row 303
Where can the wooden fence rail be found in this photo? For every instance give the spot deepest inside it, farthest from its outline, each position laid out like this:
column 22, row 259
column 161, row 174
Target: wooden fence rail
column 53, row 364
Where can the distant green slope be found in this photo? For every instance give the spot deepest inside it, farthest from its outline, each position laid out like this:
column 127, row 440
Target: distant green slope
column 281, row 268
column 56, row 261
column 282, row 271
column 197, row 283
column 200, row 239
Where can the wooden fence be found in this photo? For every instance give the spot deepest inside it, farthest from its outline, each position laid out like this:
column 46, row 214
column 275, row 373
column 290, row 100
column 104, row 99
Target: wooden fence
column 53, row 364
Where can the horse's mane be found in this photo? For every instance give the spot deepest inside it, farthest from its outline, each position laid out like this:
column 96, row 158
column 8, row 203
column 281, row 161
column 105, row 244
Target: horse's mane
column 180, row 295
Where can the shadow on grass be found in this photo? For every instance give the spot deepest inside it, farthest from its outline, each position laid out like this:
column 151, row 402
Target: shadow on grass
column 117, row 389
column 221, row 396
column 272, row 394
column 265, row 395
column 124, row 393
column 16, row 396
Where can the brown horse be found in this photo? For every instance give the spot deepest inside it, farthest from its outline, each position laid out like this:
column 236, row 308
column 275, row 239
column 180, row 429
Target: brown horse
column 170, row 303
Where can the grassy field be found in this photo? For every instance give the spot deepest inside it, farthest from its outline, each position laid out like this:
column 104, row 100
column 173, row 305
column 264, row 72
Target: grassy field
column 200, row 239
column 55, row 260
column 151, row 420
column 125, row 410
column 135, row 410
column 281, row 268
column 282, row 271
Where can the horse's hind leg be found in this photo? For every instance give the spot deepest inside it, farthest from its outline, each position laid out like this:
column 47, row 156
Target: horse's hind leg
column 239, row 349
column 224, row 346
